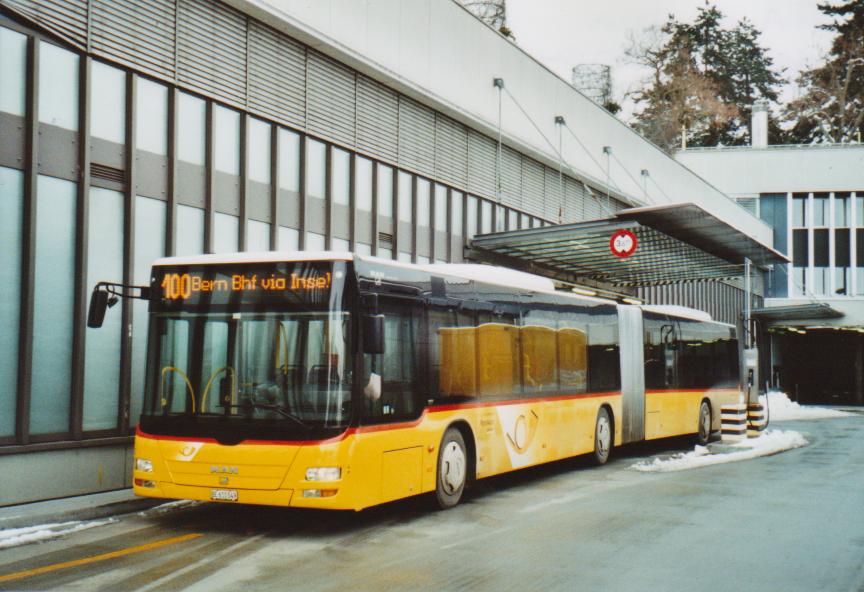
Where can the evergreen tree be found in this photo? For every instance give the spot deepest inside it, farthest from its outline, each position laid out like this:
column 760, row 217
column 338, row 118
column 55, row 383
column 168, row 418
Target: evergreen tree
column 831, row 107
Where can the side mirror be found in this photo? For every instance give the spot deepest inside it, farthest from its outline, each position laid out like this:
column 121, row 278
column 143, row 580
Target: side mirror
column 373, row 334
column 100, row 300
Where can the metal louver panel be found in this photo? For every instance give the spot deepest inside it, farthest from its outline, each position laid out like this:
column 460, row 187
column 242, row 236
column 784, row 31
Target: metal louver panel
column 377, row 119
column 554, row 195
column 65, row 18
column 451, row 151
column 331, row 99
column 532, row 187
column 416, row 136
column 574, row 201
column 511, row 177
column 481, row 164
column 595, row 205
column 212, row 49
column 137, row 33
column 277, row 75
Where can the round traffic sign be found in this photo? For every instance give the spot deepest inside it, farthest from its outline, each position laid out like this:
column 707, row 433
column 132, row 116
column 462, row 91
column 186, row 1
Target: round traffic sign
column 623, row 243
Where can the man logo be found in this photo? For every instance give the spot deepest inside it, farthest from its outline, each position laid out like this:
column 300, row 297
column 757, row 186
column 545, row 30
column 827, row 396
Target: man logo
column 229, row 470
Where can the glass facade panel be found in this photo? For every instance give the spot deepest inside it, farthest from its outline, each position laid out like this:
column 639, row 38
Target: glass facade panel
column 500, row 219
column 339, row 244
column 363, row 249
column 289, row 239
column 152, row 117
column 340, row 176
column 404, row 257
column 58, row 87
column 423, row 203
column 257, row 236
column 385, row 191
column 259, row 151
column 385, row 252
column 842, row 205
column 820, row 209
column 226, row 140
column 485, row 216
column 149, row 245
column 456, row 199
column 440, row 208
column 316, row 161
column 363, row 184
column 471, row 217
column 54, row 285
column 11, row 208
column 859, row 210
column 226, row 230
column 799, row 210
column 191, row 126
column 405, row 197
column 512, row 219
column 108, row 103
column 13, row 72
column 315, row 242
column 190, row 231
column 104, row 262
column 289, row 160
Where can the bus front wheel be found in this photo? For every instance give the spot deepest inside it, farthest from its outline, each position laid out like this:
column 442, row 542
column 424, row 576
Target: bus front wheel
column 704, row 433
column 602, row 436
column 452, row 469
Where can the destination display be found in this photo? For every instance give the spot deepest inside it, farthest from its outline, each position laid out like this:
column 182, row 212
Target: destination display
column 227, row 285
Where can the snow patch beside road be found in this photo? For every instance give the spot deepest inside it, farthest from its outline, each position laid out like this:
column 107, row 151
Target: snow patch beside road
column 12, row 537
column 780, row 408
column 770, row 442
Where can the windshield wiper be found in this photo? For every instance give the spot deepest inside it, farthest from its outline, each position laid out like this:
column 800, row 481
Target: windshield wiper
column 249, row 405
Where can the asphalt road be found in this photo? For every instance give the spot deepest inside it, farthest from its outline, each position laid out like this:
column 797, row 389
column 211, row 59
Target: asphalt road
column 793, row 521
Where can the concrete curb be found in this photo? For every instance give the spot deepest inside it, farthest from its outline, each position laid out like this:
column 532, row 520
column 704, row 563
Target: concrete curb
column 82, row 507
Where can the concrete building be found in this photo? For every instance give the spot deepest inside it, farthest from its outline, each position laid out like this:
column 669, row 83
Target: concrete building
column 813, row 199
column 137, row 129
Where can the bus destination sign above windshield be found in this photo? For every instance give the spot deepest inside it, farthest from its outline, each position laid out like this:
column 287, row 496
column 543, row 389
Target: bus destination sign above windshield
column 182, row 286
column 623, row 243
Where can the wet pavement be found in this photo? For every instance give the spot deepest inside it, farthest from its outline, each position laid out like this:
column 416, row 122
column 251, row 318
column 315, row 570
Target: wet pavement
column 788, row 522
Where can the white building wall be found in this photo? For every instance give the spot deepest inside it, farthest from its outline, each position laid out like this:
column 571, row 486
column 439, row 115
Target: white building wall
column 438, row 53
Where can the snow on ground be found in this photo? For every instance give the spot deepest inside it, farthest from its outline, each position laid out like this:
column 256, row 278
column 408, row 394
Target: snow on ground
column 780, row 408
column 770, row 442
column 170, row 506
column 12, row 537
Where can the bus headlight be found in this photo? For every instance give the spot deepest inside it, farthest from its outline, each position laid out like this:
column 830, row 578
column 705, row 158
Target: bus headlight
column 142, row 464
column 323, row 473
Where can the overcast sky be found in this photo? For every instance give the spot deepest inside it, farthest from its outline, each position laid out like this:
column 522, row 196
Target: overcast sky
column 563, row 33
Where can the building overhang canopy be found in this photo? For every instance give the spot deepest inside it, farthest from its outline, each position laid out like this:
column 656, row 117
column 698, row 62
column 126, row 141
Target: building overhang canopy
column 798, row 312
column 674, row 243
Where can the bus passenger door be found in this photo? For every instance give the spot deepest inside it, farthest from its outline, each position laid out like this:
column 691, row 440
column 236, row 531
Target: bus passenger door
column 632, row 374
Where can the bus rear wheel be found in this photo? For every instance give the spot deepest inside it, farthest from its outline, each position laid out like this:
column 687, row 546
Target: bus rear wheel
column 703, row 435
column 602, row 436
column 452, row 469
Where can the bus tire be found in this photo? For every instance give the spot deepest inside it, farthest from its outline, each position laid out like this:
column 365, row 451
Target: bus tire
column 603, row 438
column 703, row 431
column 452, row 469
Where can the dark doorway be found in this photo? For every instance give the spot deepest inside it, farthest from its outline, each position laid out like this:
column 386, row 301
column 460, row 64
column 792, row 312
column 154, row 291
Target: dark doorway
column 822, row 366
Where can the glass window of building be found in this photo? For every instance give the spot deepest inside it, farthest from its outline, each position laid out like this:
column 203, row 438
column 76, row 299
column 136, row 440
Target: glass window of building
column 363, row 249
column 485, row 216
column 423, row 259
column 339, row 244
column 799, row 210
column 259, row 151
column 58, row 86
column 842, row 262
column 363, row 184
column 385, row 191
column 289, row 160
column 226, row 230
column 440, row 208
column 340, row 176
column 54, row 285
column 151, row 117
column 842, row 209
column 500, row 219
column 316, row 166
column 108, row 103
column 191, row 126
column 226, row 140
column 820, row 209
column 13, row 72
column 471, row 217
column 405, row 197
column 423, row 202
column 385, row 252
column 102, row 360
column 820, row 261
column 859, row 251
column 512, row 219
column 404, row 257
column 859, row 209
column 190, row 230
column 11, row 208
column 315, row 241
column 456, row 206
column 257, row 236
column 289, row 239
column 149, row 246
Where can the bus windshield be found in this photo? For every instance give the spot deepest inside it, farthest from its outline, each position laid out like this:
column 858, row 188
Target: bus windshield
column 247, row 369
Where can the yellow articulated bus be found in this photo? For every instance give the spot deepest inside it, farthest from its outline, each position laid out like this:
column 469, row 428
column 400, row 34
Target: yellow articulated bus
column 339, row 381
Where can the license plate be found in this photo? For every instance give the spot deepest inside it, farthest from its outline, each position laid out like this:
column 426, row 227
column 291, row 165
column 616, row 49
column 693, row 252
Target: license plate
column 223, row 495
